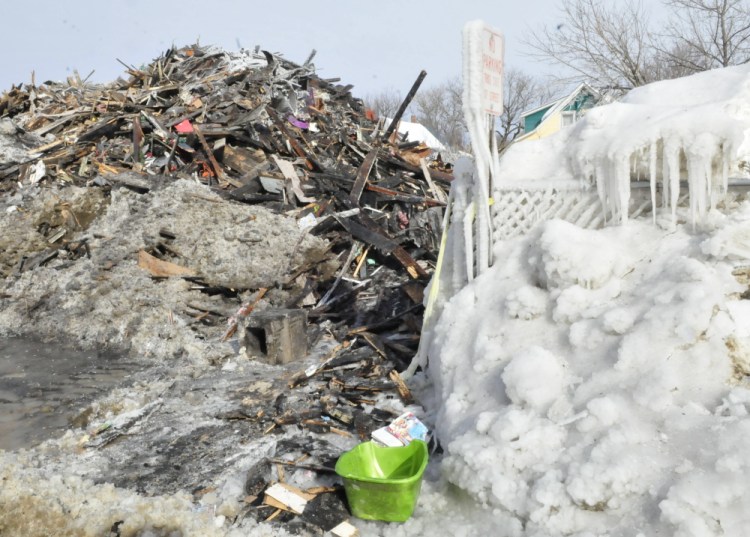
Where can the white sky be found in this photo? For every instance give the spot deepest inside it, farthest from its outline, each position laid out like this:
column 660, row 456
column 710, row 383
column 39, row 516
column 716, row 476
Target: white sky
column 373, row 45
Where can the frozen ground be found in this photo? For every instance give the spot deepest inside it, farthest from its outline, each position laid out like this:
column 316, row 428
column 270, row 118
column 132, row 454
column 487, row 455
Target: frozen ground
column 41, row 386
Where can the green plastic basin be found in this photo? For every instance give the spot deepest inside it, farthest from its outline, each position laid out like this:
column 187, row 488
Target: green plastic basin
column 383, row 483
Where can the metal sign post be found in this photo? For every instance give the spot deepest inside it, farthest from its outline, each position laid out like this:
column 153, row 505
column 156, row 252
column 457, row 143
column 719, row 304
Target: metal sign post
column 484, row 50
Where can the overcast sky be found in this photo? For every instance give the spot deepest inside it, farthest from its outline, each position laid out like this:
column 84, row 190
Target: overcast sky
column 373, row 45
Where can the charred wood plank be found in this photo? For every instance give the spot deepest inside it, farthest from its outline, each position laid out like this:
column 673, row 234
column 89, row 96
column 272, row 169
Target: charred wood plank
column 362, row 174
column 395, row 195
column 404, row 105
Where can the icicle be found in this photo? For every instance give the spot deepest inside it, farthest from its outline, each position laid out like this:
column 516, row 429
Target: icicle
column 622, row 178
column 695, row 192
column 463, row 172
column 482, row 222
column 601, row 189
column 614, row 189
column 710, row 181
column 726, row 156
column 458, row 255
column 664, row 177
column 672, row 157
column 652, row 178
column 469, row 241
column 460, row 277
column 610, row 187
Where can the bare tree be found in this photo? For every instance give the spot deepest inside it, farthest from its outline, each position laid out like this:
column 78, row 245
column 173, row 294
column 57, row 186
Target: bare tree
column 521, row 92
column 385, row 103
column 672, row 60
column 439, row 109
column 611, row 44
column 707, row 34
column 599, row 42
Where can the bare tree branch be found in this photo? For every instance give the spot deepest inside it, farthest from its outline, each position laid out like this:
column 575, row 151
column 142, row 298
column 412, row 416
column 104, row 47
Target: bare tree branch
column 607, row 45
column 385, row 103
column 521, row 93
column 439, row 109
column 709, row 33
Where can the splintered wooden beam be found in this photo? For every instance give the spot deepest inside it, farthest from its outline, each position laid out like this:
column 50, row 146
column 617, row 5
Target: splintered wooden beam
column 414, row 269
column 368, row 236
column 385, row 245
column 398, row 196
column 404, row 105
column 401, row 387
column 398, row 251
column 434, row 174
column 362, row 175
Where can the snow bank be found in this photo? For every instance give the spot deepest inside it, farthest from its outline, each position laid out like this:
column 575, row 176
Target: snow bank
column 593, row 383
column 129, row 306
column 694, row 128
column 416, row 132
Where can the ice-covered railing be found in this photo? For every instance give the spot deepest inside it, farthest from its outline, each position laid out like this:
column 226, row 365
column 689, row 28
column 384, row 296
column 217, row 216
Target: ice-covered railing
column 704, row 160
column 693, row 130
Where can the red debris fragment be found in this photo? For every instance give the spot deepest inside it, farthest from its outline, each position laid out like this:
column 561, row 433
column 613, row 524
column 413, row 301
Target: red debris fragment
column 184, row 127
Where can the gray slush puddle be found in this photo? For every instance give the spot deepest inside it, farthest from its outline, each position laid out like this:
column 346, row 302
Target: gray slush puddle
column 43, row 385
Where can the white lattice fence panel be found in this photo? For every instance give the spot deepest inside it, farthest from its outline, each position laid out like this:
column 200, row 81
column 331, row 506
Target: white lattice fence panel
column 516, row 212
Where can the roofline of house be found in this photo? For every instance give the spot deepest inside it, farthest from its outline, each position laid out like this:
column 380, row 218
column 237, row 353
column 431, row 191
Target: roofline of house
column 549, row 104
column 567, row 99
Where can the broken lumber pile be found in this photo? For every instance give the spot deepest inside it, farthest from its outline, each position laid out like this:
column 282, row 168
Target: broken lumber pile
column 258, row 129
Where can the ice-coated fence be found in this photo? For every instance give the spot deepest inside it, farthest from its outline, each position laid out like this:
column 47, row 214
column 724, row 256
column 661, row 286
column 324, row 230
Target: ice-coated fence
column 516, row 212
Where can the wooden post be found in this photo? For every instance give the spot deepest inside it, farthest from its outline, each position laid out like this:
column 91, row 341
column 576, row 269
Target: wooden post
column 404, row 105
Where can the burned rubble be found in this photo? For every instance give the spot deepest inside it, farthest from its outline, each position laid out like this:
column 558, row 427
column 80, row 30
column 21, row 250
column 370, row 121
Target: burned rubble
column 245, row 201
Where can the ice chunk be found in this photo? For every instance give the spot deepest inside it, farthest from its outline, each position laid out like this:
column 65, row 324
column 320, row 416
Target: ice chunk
column 535, row 378
column 561, row 259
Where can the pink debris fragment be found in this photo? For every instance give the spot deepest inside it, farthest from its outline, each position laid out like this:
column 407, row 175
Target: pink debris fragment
column 403, row 220
column 184, row 127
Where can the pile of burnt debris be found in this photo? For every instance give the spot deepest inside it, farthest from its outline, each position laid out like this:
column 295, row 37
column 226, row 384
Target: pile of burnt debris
column 258, row 129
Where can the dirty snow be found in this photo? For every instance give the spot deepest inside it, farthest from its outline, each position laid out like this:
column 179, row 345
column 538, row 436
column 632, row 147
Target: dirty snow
column 210, row 237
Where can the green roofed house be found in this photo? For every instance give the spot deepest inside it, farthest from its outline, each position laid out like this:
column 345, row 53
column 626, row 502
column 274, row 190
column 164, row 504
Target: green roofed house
column 553, row 116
